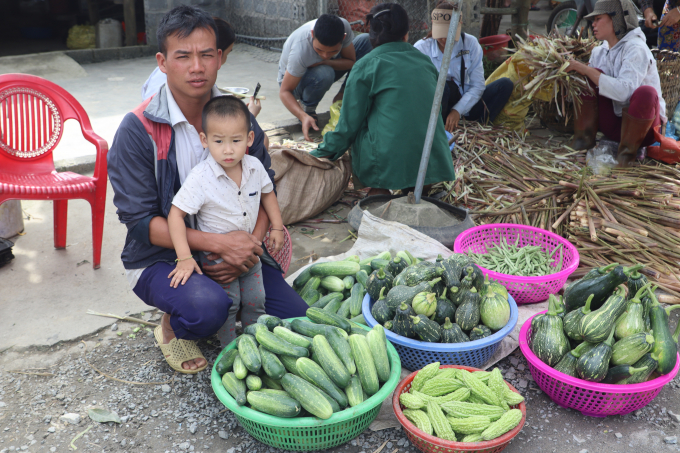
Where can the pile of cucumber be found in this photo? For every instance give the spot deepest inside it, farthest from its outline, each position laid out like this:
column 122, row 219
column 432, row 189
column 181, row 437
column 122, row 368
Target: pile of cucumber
column 609, row 328
column 448, row 301
column 461, row 406
column 302, row 368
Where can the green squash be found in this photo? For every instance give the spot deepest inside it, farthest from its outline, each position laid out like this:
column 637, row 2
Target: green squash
column 602, row 287
column 549, row 342
column 467, row 313
column 425, row 304
column 479, row 332
column 455, row 294
column 452, row 333
column 596, row 325
column 599, row 271
column 425, row 329
column 665, row 349
column 402, row 293
column 636, row 281
column 568, row 363
column 572, row 320
column 629, row 350
column 593, row 365
column 415, row 274
column 445, row 309
column 396, row 266
column 376, row 281
column 452, row 272
column 494, row 311
column 402, row 324
column 632, row 321
column 645, row 366
column 380, row 311
column 476, row 273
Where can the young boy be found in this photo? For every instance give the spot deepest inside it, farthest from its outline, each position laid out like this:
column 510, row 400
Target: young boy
column 224, row 192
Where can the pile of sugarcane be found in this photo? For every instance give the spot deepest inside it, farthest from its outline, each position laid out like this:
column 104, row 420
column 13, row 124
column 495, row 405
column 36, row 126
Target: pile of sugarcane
column 548, row 58
column 630, row 216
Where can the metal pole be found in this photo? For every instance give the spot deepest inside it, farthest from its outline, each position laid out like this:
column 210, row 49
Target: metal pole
column 436, row 104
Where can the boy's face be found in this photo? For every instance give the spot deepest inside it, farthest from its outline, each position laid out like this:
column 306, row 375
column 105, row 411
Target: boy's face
column 227, row 139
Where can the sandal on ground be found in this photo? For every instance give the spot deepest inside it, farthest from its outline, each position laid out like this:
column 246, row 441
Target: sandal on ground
column 179, row 351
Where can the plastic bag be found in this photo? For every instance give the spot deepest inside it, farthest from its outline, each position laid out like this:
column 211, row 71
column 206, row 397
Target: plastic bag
column 81, row 37
column 335, row 117
column 667, row 151
column 602, row 158
column 513, row 114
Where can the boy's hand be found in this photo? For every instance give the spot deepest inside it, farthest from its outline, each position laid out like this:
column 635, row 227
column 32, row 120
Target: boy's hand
column 183, row 271
column 276, row 240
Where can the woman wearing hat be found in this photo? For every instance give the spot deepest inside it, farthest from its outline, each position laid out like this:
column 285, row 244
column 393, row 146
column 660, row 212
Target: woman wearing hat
column 386, row 110
column 465, row 94
column 627, row 104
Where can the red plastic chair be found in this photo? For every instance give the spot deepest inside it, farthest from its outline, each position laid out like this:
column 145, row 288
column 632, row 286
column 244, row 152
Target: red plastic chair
column 32, row 115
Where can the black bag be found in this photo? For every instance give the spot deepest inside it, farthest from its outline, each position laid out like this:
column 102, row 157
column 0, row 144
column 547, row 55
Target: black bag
column 6, row 251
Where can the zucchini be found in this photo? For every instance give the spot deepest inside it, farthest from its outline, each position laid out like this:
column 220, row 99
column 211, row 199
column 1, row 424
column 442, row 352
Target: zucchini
column 279, row 346
column 633, row 320
column 271, row 364
column 356, row 298
column 271, row 384
column 247, row 350
column 302, row 279
column 549, row 342
column 415, row 274
column 349, row 281
column 665, row 350
column 452, row 333
column 292, row 337
column 226, row 363
column 340, row 346
column 399, row 294
column 314, row 374
column 354, row 392
column 240, row 370
column 310, row 329
column 330, row 362
column 445, row 309
column 567, row 364
column 468, row 312
column 600, row 287
column 278, row 405
column 494, row 311
column 235, row 387
column 333, row 284
column 335, row 268
column 362, row 277
column 599, row 271
column 402, row 324
column 621, row 372
column 572, row 320
column 378, row 280
column 377, row 343
column 254, row 383
column 368, row 375
column 479, row 332
column 333, row 306
column 308, row 395
column 629, row 350
column 594, row 364
column 596, row 325
column 645, row 366
column 426, row 330
column 331, row 319
column 269, row 321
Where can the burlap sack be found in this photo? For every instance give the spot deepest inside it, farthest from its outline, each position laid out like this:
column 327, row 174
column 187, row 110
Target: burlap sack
column 307, row 185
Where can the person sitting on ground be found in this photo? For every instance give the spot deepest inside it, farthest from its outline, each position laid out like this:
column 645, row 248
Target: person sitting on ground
column 217, row 190
column 314, row 57
column 152, row 153
column 627, row 104
column 225, row 42
column 464, row 94
column 386, row 109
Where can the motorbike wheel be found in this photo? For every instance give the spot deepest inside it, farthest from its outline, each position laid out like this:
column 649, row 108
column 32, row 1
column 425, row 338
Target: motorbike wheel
column 563, row 17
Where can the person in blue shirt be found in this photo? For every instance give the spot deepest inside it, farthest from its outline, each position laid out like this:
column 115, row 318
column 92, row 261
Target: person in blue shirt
column 465, row 94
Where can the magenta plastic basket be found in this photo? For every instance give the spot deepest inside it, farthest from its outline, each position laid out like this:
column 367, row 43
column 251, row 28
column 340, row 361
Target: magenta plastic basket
column 591, row 398
column 525, row 290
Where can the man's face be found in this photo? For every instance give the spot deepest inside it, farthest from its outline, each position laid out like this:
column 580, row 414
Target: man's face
column 191, row 63
column 326, row 52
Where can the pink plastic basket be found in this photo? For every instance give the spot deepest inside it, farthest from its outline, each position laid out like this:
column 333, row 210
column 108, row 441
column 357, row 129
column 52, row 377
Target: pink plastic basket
column 525, row 290
column 591, row 398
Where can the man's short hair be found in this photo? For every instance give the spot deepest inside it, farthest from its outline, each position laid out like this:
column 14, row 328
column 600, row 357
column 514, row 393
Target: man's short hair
column 182, row 21
column 225, row 107
column 225, row 34
column 329, row 30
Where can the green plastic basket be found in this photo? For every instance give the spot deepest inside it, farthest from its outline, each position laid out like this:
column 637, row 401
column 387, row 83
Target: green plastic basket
column 309, row 433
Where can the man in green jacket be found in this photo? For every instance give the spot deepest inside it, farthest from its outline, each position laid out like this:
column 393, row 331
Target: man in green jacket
column 386, row 109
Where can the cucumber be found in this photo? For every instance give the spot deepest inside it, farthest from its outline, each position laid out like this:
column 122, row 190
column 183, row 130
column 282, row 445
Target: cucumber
column 356, row 299
column 279, row 346
column 334, row 306
column 302, row 279
column 308, row 395
column 277, row 405
column 272, row 384
column 247, row 350
column 275, row 392
column 290, row 363
column 314, row 374
column 341, row 348
column 292, row 337
column 343, row 311
column 359, row 319
column 379, row 264
column 311, row 296
column 269, row 321
column 334, row 404
column 331, row 319
column 327, row 299
column 235, row 387
column 365, row 365
column 354, row 258
column 349, row 281
column 356, row 330
column 253, row 383
column 354, row 392
column 226, row 363
column 361, row 277
column 312, row 283
column 377, row 343
column 380, row 256
column 311, row 330
column 240, row 370
column 336, row 269
column 330, row 362
column 271, row 364
column 333, row 284
column 252, row 329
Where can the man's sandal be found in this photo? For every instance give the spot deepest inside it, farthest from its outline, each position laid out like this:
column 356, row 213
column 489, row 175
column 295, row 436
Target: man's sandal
column 179, row 351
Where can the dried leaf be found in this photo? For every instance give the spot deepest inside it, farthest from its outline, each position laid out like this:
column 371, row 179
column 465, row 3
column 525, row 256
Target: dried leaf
column 102, row 415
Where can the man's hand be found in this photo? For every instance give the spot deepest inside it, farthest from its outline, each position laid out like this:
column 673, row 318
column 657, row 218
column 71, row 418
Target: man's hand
column 650, row 18
column 452, row 121
column 238, row 249
column 254, row 106
column 670, row 19
column 222, row 273
column 307, row 123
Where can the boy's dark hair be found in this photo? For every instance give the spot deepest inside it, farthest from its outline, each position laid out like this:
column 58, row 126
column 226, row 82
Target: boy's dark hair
column 225, row 107
column 225, row 34
column 388, row 22
column 329, row 30
column 182, row 21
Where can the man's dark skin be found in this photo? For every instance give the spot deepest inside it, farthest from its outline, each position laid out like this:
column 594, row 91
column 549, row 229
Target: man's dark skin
column 191, row 65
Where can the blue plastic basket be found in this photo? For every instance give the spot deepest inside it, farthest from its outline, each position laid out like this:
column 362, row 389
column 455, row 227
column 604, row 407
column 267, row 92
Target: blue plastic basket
column 416, row 354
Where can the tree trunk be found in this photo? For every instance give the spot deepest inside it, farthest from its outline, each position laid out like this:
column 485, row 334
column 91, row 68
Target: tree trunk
column 491, row 22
